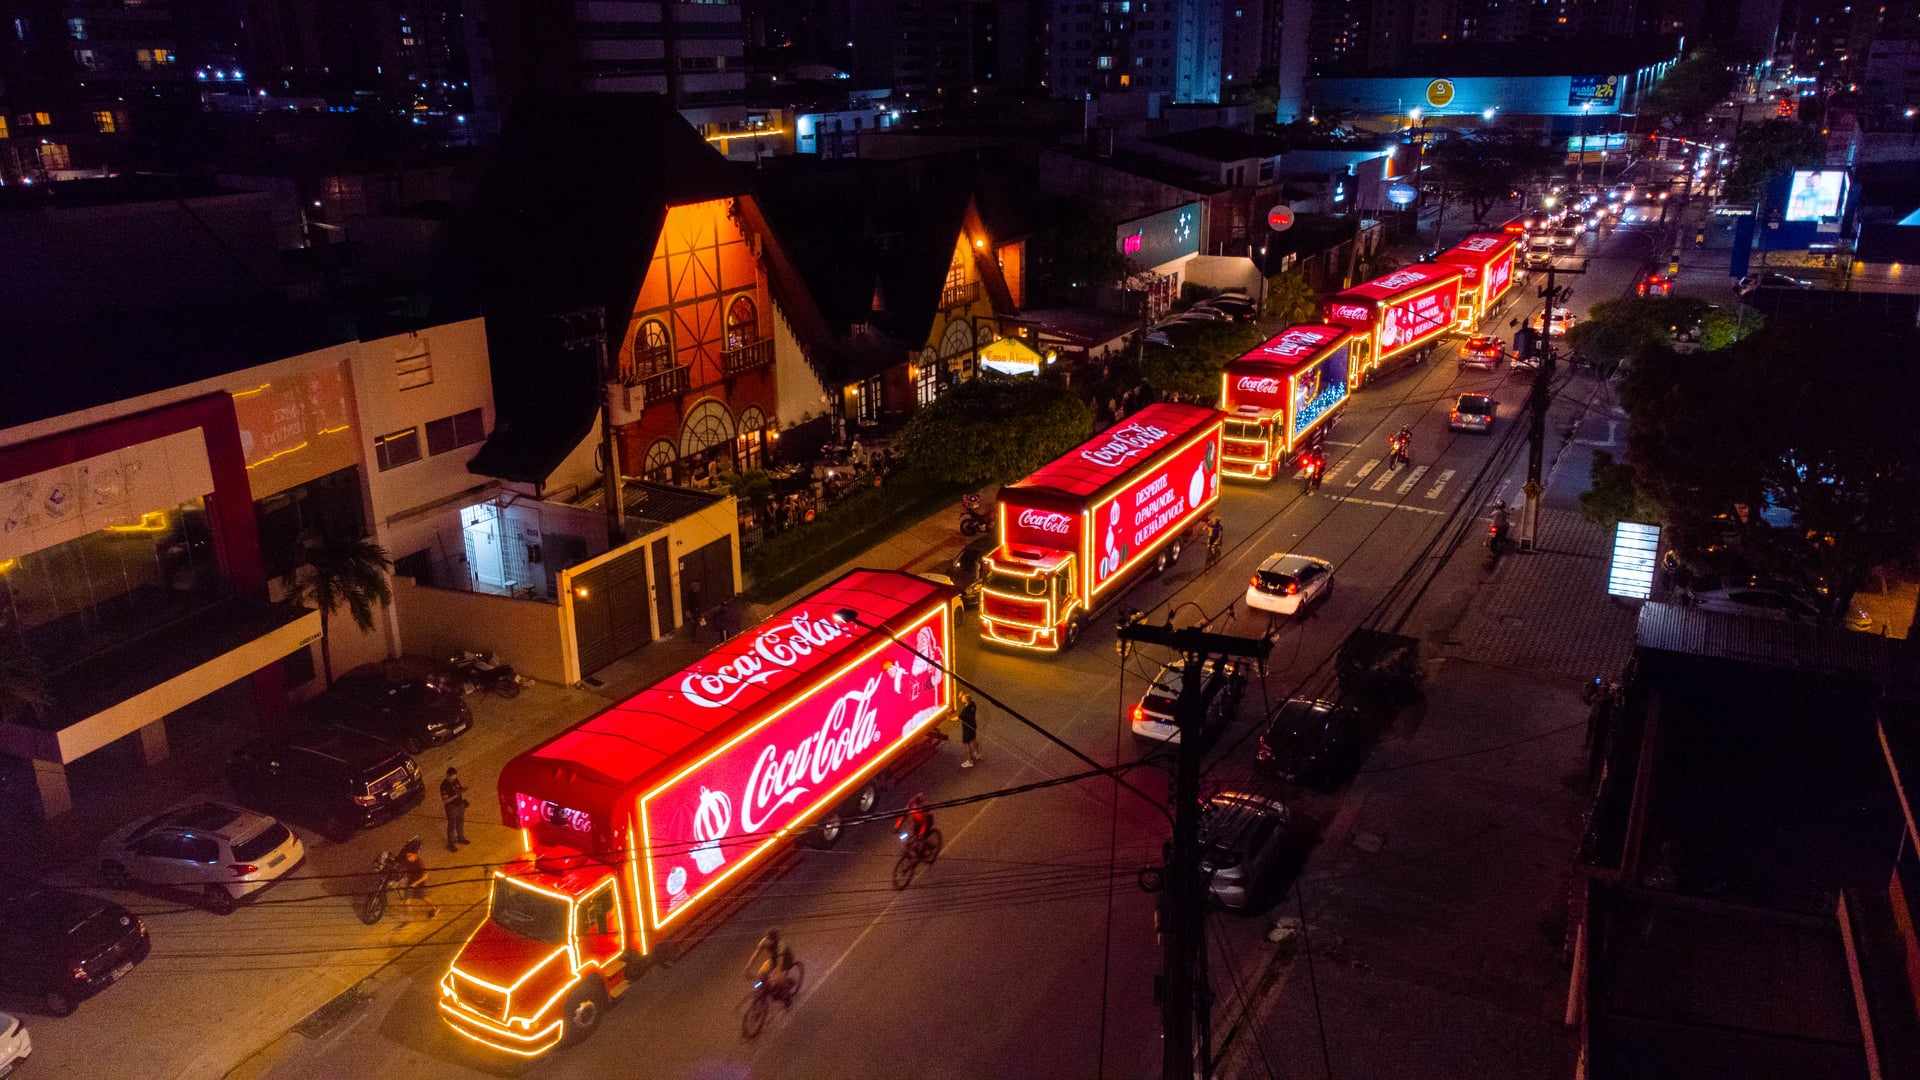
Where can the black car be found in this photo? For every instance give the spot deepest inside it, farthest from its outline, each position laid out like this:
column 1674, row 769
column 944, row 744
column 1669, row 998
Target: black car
column 331, row 779
column 59, row 948
column 410, row 700
column 1314, row 743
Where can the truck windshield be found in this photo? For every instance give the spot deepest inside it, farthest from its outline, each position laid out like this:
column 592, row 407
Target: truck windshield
column 1017, row 584
column 1246, row 430
column 530, row 914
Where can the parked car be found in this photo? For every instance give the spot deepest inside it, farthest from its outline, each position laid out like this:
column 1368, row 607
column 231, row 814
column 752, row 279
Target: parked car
column 216, row 850
column 15, row 1044
column 1771, row 280
column 1245, row 840
column 1285, row 584
column 1482, row 351
column 1239, row 310
column 1473, row 412
column 1199, row 312
column 1312, row 742
column 1758, row 599
column 411, row 700
column 336, row 780
column 1153, row 717
column 64, row 947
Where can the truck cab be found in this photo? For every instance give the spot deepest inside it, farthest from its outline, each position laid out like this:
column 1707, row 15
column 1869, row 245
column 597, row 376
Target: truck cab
column 1253, row 442
column 1030, row 597
column 553, row 952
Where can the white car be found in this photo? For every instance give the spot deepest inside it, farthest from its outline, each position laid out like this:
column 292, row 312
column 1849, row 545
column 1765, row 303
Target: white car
column 1286, row 583
column 15, row 1044
column 1153, row 717
column 216, row 850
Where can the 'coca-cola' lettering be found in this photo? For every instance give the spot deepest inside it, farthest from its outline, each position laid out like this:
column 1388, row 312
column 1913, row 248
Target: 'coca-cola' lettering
column 1356, row 312
column 1051, row 521
column 782, row 777
column 772, row 652
column 1123, row 443
column 1255, row 384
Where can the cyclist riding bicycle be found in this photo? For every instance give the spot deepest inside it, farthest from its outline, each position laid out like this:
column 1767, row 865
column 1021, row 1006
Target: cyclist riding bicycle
column 914, row 822
column 772, row 962
column 1213, row 535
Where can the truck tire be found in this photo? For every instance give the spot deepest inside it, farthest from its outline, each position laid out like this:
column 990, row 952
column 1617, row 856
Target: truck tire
column 827, row 831
column 1160, row 563
column 1173, row 550
column 584, row 1010
column 1072, row 633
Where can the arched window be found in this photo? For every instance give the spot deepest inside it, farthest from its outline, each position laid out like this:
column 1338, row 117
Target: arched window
column 743, row 323
column 659, row 463
column 652, row 349
column 750, row 449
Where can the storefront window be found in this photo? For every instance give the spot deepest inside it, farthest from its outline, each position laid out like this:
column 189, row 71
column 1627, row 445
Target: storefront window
column 82, row 597
column 870, row 400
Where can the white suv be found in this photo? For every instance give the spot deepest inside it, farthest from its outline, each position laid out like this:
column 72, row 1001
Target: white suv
column 15, row 1044
column 1286, row 583
column 219, row 851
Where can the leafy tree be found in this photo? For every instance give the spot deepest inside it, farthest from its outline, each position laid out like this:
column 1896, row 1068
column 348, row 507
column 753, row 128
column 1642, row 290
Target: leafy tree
column 1617, row 330
column 1613, row 498
column 23, row 679
column 1192, row 372
column 993, row 428
column 1720, row 328
column 1714, row 437
column 1765, row 151
column 1691, row 89
column 1291, row 298
column 1078, row 252
column 348, row 571
column 1484, row 167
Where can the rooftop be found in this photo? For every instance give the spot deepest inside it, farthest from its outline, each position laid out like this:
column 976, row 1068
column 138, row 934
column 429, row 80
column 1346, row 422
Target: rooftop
column 1221, row 144
column 651, row 505
column 1565, row 56
column 1147, row 168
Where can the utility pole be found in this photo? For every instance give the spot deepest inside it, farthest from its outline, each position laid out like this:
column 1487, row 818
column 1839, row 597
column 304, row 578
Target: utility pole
column 1185, row 999
column 1539, row 398
column 587, row 328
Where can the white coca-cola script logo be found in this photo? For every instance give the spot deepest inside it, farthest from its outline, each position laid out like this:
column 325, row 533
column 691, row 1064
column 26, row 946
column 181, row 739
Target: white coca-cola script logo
column 1254, row 384
column 780, row 778
column 1482, row 243
column 1045, row 521
column 1349, row 311
column 773, row 651
column 1401, row 278
column 1123, row 443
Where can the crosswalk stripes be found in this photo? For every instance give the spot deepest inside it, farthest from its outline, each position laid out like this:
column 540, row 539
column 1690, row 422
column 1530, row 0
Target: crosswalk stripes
column 1386, row 478
column 1434, row 491
column 1412, row 479
column 1363, row 472
column 1382, row 478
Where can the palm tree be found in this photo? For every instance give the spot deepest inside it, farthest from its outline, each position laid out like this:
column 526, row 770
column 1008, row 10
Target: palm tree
column 23, row 679
column 349, row 570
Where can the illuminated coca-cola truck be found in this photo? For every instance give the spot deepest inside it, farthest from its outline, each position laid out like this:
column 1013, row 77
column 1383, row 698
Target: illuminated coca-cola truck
column 1280, row 395
column 1396, row 314
column 1486, row 263
column 636, row 821
column 1084, row 525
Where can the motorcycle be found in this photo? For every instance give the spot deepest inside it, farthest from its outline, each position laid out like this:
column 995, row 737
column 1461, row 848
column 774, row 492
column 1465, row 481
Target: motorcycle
column 1497, row 531
column 484, row 671
column 1314, row 472
column 973, row 520
column 371, row 905
column 1397, row 452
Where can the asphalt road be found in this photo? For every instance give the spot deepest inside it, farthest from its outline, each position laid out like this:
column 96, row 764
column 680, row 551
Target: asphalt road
column 1021, row 953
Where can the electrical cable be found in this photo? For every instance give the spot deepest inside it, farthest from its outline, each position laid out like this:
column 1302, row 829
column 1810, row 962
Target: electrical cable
column 1246, row 1001
column 1313, row 977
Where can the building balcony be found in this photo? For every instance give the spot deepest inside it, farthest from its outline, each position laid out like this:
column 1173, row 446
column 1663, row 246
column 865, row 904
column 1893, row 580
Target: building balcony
column 750, row 357
column 671, row 383
column 959, row 296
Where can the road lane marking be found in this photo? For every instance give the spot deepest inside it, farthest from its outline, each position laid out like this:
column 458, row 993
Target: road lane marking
column 1334, row 469
column 1385, row 505
column 1412, row 479
column 1434, row 491
column 1386, row 478
column 1362, row 474
column 1335, row 442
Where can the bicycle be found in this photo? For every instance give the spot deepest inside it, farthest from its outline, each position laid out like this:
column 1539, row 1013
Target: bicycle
column 920, row 842
column 781, row 983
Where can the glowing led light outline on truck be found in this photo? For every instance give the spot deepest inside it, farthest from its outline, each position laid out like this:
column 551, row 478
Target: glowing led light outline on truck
column 1379, row 312
column 943, row 611
column 1212, row 431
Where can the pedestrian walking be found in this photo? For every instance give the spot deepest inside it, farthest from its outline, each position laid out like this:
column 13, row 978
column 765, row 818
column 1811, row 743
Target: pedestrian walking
column 415, row 869
column 970, row 730
column 453, row 799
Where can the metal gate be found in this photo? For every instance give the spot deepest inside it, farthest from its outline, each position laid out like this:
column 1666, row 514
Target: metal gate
column 610, row 610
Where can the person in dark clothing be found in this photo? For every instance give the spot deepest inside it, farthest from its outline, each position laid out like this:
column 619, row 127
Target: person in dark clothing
column 453, row 798
column 415, row 868
column 970, row 730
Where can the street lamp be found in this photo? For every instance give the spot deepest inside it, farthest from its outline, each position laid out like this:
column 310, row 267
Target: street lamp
column 849, row 617
column 1487, row 113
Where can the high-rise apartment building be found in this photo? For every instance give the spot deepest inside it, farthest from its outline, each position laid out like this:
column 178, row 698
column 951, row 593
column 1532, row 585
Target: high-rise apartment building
column 693, row 53
column 1172, row 46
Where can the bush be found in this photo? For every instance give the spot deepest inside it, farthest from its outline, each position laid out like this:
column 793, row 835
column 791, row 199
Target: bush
column 992, row 429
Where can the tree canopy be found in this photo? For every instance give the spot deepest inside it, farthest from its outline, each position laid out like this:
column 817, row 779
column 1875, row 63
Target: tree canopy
column 1715, row 437
column 1691, row 89
column 1617, row 330
column 1192, row 372
column 1485, row 166
column 1291, row 298
column 993, row 428
column 1765, row 151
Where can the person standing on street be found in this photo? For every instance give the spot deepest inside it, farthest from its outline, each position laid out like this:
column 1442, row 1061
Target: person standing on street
column 453, row 798
column 969, row 730
column 415, row 869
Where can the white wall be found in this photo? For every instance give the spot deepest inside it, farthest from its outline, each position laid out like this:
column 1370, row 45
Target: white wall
column 796, row 388
column 462, row 380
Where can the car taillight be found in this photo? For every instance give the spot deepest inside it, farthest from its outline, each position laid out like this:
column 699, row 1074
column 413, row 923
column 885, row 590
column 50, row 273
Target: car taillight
column 241, row 869
column 140, row 925
column 1261, row 752
column 1254, row 581
column 1293, row 588
column 79, row 974
column 366, row 800
column 1139, row 713
column 1454, row 416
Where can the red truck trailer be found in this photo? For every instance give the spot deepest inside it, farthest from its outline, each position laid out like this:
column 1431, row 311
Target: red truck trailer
column 638, row 819
column 1280, row 395
column 1487, row 261
column 1396, row 314
column 1082, row 526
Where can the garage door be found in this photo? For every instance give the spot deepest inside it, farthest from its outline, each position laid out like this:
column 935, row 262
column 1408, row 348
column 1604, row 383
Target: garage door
column 611, row 621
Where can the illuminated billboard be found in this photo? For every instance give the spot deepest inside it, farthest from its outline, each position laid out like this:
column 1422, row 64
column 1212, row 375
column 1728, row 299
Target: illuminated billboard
column 1160, row 238
column 1816, row 195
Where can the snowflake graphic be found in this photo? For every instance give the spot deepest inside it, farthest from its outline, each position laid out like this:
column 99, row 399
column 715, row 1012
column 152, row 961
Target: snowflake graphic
column 1183, row 226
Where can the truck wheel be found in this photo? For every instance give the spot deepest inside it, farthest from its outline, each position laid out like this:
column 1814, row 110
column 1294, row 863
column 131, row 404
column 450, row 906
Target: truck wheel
column 868, row 798
column 1160, row 563
column 584, row 1010
column 1173, row 551
column 827, row 831
column 1072, row 633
